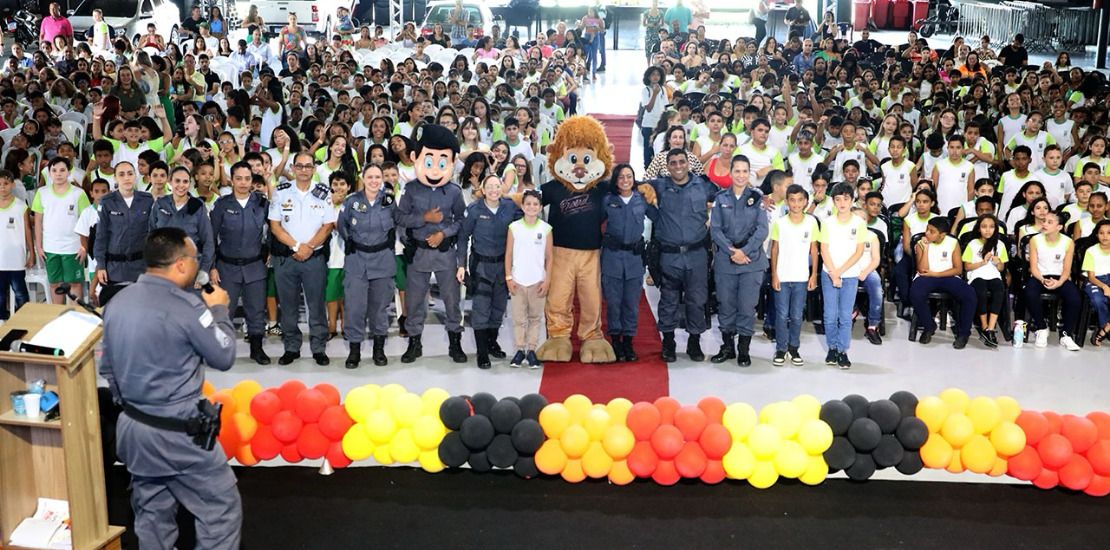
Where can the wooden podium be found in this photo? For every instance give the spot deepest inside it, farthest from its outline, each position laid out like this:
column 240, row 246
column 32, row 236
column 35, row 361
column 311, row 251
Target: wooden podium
column 60, row 459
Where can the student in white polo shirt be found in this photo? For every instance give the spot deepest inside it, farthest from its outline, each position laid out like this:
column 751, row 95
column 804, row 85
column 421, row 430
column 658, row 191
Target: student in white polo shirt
column 763, row 157
column 954, row 176
column 939, row 266
column 1096, row 264
column 1058, row 184
column 793, row 273
column 842, row 242
column 899, row 174
column 1050, row 257
column 57, row 208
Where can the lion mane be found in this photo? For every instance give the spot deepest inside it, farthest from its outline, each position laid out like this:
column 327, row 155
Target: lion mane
column 580, row 132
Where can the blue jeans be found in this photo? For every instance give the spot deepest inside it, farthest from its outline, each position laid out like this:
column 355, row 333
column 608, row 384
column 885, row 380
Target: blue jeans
column 1099, row 301
column 839, row 303
column 591, row 54
column 769, row 309
column 790, row 303
column 649, row 150
column 17, row 282
column 874, row 287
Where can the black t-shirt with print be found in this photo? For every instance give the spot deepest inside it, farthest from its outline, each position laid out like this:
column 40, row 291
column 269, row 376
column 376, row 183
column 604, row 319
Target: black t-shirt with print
column 575, row 218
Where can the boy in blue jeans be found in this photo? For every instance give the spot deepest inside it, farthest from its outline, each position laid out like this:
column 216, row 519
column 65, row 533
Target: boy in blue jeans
column 869, row 278
column 15, row 245
column 793, row 272
column 842, row 240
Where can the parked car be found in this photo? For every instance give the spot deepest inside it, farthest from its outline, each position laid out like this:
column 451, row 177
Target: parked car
column 317, row 18
column 439, row 12
column 128, row 18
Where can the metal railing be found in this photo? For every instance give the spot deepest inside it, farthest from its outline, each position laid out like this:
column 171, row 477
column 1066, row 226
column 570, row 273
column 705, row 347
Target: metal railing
column 1046, row 29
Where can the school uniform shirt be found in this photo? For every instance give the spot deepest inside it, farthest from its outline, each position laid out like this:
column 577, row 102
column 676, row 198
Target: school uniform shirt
column 880, row 225
column 896, row 182
column 1076, row 212
column 928, row 162
column 824, row 209
column 870, row 240
column 85, row 224
column 125, row 153
column 1012, row 126
column 760, row 159
column 803, row 169
column 1009, row 185
column 842, row 239
column 779, row 139
column 982, row 169
column 1061, row 132
column 794, row 243
column 1036, row 143
column 917, row 223
column 1079, row 164
column 13, row 239
column 1050, row 257
column 60, row 213
column 845, row 156
column 337, row 246
column 1057, row 185
column 952, row 183
column 1096, row 261
column 529, row 250
column 974, row 254
column 942, row 255
column 76, row 177
column 1086, row 226
column 880, row 147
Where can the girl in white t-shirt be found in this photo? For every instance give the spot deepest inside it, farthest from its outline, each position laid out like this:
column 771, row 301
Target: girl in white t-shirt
column 984, row 259
column 1096, row 264
column 528, row 253
column 1050, row 257
column 16, row 250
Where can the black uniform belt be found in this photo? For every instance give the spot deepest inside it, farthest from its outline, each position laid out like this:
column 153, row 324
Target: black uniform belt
column 444, row 246
column 191, row 426
column 132, row 257
column 351, row 247
column 636, row 248
column 682, row 249
column 285, row 251
column 487, row 259
column 238, row 261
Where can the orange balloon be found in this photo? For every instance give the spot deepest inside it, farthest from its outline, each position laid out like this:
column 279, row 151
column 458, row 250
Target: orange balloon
column 246, row 425
column 936, row 453
column 956, row 465
column 551, row 459
column 245, row 456
column 1000, row 467
column 207, row 389
column 573, row 471
column 619, row 474
column 595, row 462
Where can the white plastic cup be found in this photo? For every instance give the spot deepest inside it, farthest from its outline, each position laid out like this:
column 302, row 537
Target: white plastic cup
column 32, row 403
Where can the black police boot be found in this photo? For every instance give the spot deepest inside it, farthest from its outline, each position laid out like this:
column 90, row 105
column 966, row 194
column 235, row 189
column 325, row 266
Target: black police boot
column 321, row 359
column 257, row 354
column 414, row 350
column 288, row 357
column 454, row 347
column 494, row 349
column 728, row 349
column 481, row 343
column 401, row 330
column 618, row 347
column 669, row 348
column 354, row 356
column 693, row 347
column 379, row 351
column 629, row 353
column 742, row 344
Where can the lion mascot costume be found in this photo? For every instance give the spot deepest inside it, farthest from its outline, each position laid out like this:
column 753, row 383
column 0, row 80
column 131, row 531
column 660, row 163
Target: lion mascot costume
column 580, row 159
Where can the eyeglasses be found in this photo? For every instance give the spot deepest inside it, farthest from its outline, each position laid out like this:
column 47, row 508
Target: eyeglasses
column 304, row 166
column 195, row 257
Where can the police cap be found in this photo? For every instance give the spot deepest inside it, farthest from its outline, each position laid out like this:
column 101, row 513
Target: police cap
column 435, row 136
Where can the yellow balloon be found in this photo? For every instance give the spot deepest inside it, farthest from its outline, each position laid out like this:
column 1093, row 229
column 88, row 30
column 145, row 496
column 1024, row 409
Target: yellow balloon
column 808, row 406
column 597, row 420
column 402, row 448
column 357, row 445
column 815, row 436
column 791, row 461
column 956, row 466
column 766, row 411
column 957, row 430
column 618, row 441
column 956, row 399
column 618, row 410
column 1009, row 407
column 739, row 419
column 575, row 440
column 765, row 441
column 573, row 471
column 984, row 414
column 1008, row 439
column 380, row 426
column 579, row 406
column 764, row 475
column 243, row 392
column 978, row 454
column 816, row 471
column 432, row 399
column 428, row 432
column 619, row 474
column 246, row 425
column 786, row 418
column 595, row 462
column 554, row 419
column 381, row 454
column 406, row 408
column 551, row 459
column 936, row 453
column 360, row 402
column 430, row 462
column 1000, row 467
column 388, row 393
column 738, row 461
column 933, row 411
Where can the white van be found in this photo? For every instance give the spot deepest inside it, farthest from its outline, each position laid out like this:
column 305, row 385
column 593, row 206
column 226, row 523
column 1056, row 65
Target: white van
column 317, row 18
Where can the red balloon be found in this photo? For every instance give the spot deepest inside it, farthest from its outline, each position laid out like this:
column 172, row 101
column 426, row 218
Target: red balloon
column 1055, row 421
column 310, row 405
column 1048, row 479
column 714, row 472
column 642, row 419
column 336, row 457
column 1076, row 474
column 289, row 392
column 229, row 441
column 1055, row 451
column 1099, row 487
column 642, row 460
column 290, row 454
column 1035, row 426
column 690, row 461
column 287, row 426
column 715, row 441
column 690, row 421
column 329, row 391
column 264, row 445
column 264, row 406
column 1025, row 465
column 1102, row 420
column 1080, row 431
column 335, row 422
column 713, row 408
column 1099, row 457
column 666, row 473
column 667, row 441
column 667, row 407
column 311, row 443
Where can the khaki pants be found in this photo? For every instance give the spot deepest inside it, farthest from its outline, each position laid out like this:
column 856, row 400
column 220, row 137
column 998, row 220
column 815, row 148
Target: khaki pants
column 527, row 317
column 576, row 272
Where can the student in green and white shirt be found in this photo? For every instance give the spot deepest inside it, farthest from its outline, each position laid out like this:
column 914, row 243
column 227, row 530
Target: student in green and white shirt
column 1013, row 121
column 821, row 205
column 842, row 242
column 1057, row 184
column 1012, row 180
column 1078, row 209
column 762, row 157
column 899, row 174
column 1096, row 264
column 1050, row 257
column 57, row 208
column 1034, row 138
column 1095, row 149
column 984, row 260
column 980, row 151
column 1062, row 128
column 880, row 144
column 793, row 271
column 16, row 247
column 803, row 161
column 1096, row 212
column 707, row 144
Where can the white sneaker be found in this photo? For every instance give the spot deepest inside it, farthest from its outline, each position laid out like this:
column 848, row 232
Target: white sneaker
column 1068, row 344
column 1041, row 338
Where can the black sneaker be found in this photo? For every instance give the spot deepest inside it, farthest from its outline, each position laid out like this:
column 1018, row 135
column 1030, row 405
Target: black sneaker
column 985, row 338
column 925, row 337
column 992, row 339
column 769, row 332
column 832, row 357
column 779, row 359
column 517, row 360
column 288, row 357
column 960, row 342
column 819, row 329
column 873, row 336
column 275, row 330
column 321, row 359
column 843, row 362
column 533, row 362
column 796, row 357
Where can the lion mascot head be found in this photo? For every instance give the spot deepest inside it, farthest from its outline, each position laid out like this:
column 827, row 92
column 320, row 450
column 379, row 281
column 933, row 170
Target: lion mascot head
column 580, row 156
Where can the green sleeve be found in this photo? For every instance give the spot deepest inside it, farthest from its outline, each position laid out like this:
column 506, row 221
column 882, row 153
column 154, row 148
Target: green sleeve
column 115, row 144
column 874, row 145
column 775, row 231
column 1078, row 169
column 1003, row 254
column 777, row 163
column 861, row 236
column 967, row 253
column 1012, row 144
column 823, row 233
column 1088, row 261
column 321, row 154
column 82, row 201
column 157, row 145
column 1049, row 139
column 1002, row 183
column 36, row 204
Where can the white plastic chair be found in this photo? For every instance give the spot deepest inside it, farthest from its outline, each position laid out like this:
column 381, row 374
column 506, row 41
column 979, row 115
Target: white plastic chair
column 75, row 131
column 433, row 49
column 74, row 116
column 7, row 135
column 37, row 284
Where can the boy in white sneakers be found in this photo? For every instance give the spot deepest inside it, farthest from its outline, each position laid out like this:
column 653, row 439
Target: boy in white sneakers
column 57, row 208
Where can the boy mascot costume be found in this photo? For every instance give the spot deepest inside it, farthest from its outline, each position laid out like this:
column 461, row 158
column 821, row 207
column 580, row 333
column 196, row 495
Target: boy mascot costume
column 580, row 158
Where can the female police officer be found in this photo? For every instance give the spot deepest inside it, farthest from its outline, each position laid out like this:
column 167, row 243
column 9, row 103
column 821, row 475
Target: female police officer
column 622, row 263
column 182, row 210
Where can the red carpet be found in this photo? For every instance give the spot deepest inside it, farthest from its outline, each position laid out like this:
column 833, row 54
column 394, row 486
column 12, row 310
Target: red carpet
column 644, row 380
column 619, row 130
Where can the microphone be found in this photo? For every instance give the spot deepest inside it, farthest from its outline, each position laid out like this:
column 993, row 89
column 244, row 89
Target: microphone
column 19, row 346
column 63, row 290
column 205, row 282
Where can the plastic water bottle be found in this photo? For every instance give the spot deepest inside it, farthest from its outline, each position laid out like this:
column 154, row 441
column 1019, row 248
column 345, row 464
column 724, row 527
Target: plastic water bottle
column 1019, row 334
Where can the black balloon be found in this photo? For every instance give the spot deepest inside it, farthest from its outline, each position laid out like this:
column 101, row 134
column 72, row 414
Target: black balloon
column 513, row 399
column 525, row 467
column 483, row 402
column 841, row 454
column 906, row 401
column 453, row 411
column 527, row 437
column 452, row 452
column 480, row 463
column 859, row 405
column 864, row 434
column 477, row 432
column 531, row 405
column 862, row 469
column 911, row 463
column 838, row 415
column 912, row 433
column 504, row 415
column 501, row 452
column 886, row 414
column 888, row 453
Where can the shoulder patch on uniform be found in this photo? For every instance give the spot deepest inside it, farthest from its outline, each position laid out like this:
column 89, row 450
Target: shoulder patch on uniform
column 283, row 186
column 387, row 199
column 193, row 205
column 321, row 192
column 205, row 319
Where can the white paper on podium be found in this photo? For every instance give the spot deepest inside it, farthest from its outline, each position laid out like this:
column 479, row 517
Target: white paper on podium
column 67, row 332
